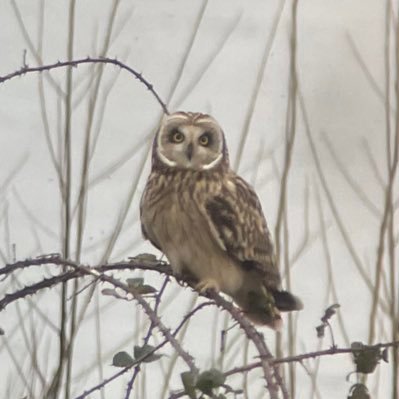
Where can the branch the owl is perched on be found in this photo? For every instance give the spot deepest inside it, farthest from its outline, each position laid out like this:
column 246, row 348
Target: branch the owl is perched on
column 208, row 221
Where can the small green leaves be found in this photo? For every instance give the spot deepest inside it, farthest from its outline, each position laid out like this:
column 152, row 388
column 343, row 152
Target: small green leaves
column 384, row 355
column 137, row 284
column 206, row 382
column 146, row 289
column 189, row 380
column 329, row 312
column 367, row 357
column 146, row 257
column 358, row 391
column 321, row 330
column 143, row 353
column 122, row 359
column 210, row 379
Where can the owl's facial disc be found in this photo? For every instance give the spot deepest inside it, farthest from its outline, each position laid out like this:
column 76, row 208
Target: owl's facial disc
column 195, row 146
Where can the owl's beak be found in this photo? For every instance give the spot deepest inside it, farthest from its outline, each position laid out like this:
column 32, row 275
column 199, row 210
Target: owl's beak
column 189, row 151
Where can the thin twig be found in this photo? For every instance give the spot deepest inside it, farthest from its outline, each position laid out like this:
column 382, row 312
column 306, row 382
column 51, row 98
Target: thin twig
column 311, row 355
column 272, row 376
column 89, row 60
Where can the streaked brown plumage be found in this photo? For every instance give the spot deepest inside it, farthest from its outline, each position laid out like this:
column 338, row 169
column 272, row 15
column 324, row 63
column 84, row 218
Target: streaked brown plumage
column 208, row 221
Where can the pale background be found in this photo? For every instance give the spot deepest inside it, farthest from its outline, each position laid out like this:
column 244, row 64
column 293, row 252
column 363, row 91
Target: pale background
column 219, row 77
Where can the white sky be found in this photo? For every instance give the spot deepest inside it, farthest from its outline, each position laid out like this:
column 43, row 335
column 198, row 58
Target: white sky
column 151, row 36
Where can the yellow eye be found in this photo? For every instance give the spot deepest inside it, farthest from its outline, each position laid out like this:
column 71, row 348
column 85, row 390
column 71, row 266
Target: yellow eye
column 177, row 137
column 204, row 139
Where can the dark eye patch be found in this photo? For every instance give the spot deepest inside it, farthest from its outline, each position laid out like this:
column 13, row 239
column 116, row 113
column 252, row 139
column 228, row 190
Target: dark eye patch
column 176, row 136
column 206, row 139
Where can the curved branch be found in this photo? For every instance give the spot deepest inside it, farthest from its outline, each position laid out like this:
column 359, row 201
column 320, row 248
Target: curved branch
column 273, row 378
column 155, row 320
column 89, row 60
column 311, row 355
column 79, row 271
column 270, row 370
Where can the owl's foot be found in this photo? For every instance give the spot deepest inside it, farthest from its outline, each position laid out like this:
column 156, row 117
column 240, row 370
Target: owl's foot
column 207, row 285
column 186, row 277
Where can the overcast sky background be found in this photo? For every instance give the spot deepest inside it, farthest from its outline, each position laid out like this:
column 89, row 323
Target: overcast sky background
column 219, row 78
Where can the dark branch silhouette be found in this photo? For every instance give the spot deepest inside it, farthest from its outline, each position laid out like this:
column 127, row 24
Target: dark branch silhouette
column 25, row 69
column 268, row 364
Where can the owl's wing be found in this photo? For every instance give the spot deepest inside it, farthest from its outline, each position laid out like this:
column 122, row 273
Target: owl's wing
column 237, row 222
column 147, row 233
column 148, row 237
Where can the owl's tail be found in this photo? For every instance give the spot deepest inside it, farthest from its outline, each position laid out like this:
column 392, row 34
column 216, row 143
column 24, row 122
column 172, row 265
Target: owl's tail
column 286, row 302
column 263, row 308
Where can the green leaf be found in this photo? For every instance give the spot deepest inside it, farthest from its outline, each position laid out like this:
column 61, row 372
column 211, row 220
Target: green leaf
column 122, row 359
column 142, row 351
column 329, row 312
column 365, row 357
column 357, row 345
column 358, row 391
column 145, row 289
column 321, row 330
column 189, row 380
column 135, row 282
column 210, row 379
column 384, row 355
column 146, row 257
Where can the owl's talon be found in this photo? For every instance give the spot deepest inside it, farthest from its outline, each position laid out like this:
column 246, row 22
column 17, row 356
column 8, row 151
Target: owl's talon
column 185, row 277
column 207, row 285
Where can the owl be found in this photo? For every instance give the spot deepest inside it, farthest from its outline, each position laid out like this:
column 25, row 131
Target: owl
column 208, row 221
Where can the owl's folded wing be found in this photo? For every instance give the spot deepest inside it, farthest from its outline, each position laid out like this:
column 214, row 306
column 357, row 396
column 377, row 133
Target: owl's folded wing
column 239, row 226
column 147, row 236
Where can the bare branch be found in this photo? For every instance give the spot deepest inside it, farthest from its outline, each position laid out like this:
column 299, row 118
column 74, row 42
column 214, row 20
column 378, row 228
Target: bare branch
column 311, row 355
column 271, row 373
column 89, row 60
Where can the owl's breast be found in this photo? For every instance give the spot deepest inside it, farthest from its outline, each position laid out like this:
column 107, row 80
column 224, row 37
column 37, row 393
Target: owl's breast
column 177, row 224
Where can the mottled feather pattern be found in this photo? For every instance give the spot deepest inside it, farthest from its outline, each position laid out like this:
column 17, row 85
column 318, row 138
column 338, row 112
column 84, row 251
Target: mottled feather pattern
column 208, row 221
column 239, row 220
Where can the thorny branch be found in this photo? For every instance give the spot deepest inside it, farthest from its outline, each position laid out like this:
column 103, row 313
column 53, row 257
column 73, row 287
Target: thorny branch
column 311, row 355
column 267, row 363
column 271, row 374
column 88, row 60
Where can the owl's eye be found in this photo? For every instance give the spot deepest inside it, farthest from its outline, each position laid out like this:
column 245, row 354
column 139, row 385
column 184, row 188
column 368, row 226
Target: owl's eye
column 205, row 139
column 177, row 137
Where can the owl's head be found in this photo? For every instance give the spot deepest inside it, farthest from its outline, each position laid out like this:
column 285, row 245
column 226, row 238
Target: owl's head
column 189, row 140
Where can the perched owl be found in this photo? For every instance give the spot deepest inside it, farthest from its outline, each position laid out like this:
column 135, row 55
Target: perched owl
column 208, row 221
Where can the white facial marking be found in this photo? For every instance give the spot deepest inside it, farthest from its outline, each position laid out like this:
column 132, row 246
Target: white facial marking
column 190, row 131
column 165, row 160
column 213, row 163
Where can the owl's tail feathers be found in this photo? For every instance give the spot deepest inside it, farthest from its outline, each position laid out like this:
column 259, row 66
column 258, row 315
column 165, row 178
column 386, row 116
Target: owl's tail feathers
column 263, row 306
column 286, row 302
column 259, row 307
